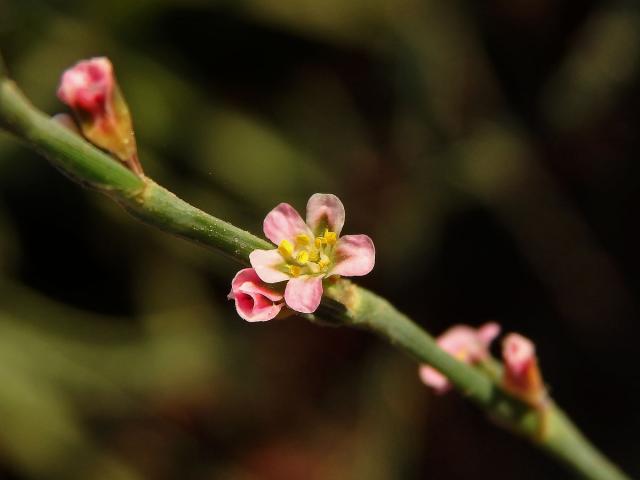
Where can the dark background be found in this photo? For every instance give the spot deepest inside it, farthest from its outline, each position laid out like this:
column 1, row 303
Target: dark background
column 489, row 148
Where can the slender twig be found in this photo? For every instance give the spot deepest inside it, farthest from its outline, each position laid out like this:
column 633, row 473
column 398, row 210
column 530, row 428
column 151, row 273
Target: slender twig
column 345, row 303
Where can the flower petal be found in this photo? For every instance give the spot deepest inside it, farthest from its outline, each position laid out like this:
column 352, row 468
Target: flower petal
column 434, row 379
column 355, row 256
column 256, row 308
column 255, row 302
column 325, row 210
column 460, row 340
column 469, row 344
column 303, row 294
column 488, row 332
column 266, row 263
column 248, row 281
column 284, row 223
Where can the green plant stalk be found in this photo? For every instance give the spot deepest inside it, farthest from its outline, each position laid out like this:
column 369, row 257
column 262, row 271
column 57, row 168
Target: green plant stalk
column 344, row 304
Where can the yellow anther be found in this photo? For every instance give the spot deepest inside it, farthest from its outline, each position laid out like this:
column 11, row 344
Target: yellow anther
column 330, row 237
column 294, row 270
column 324, row 261
column 319, row 241
column 285, row 248
column 314, row 255
column 303, row 257
column 302, row 239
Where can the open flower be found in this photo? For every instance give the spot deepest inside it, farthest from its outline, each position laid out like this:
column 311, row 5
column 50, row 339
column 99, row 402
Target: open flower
column 90, row 89
column 308, row 252
column 255, row 301
column 467, row 344
column 522, row 376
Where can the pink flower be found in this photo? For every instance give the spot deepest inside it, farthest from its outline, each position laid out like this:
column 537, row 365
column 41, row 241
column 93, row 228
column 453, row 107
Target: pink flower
column 310, row 251
column 90, row 89
column 255, row 301
column 467, row 344
column 522, row 377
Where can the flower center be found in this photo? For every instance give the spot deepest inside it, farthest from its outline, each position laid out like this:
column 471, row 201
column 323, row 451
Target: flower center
column 308, row 256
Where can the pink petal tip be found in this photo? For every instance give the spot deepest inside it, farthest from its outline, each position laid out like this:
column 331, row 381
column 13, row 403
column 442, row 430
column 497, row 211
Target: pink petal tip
column 284, row 223
column 325, row 210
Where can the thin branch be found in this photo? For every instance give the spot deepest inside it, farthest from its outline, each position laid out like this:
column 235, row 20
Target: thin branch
column 346, row 303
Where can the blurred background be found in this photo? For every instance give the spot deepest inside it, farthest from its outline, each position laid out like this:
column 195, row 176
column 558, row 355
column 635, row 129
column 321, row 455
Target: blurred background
column 489, row 148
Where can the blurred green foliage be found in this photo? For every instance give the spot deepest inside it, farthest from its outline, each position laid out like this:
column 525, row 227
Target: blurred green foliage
column 488, row 148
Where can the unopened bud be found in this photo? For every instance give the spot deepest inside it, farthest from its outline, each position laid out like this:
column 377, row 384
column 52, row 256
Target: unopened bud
column 90, row 89
column 522, row 376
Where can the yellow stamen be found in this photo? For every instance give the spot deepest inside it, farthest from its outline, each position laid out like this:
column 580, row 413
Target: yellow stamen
column 285, row 248
column 324, row 261
column 302, row 239
column 303, row 257
column 314, row 255
column 319, row 241
column 330, row 237
column 294, row 270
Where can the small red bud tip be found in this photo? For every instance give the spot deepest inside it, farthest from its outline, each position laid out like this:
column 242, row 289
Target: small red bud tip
column 88, row 86
column 521, row 373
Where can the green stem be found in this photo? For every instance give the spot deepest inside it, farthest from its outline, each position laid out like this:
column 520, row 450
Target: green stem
column 346, row 304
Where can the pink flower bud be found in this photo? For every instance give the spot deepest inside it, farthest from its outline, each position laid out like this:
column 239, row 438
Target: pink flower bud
column 522, row 377
column 467, row 344
column 90, row 89
column 255, row 301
